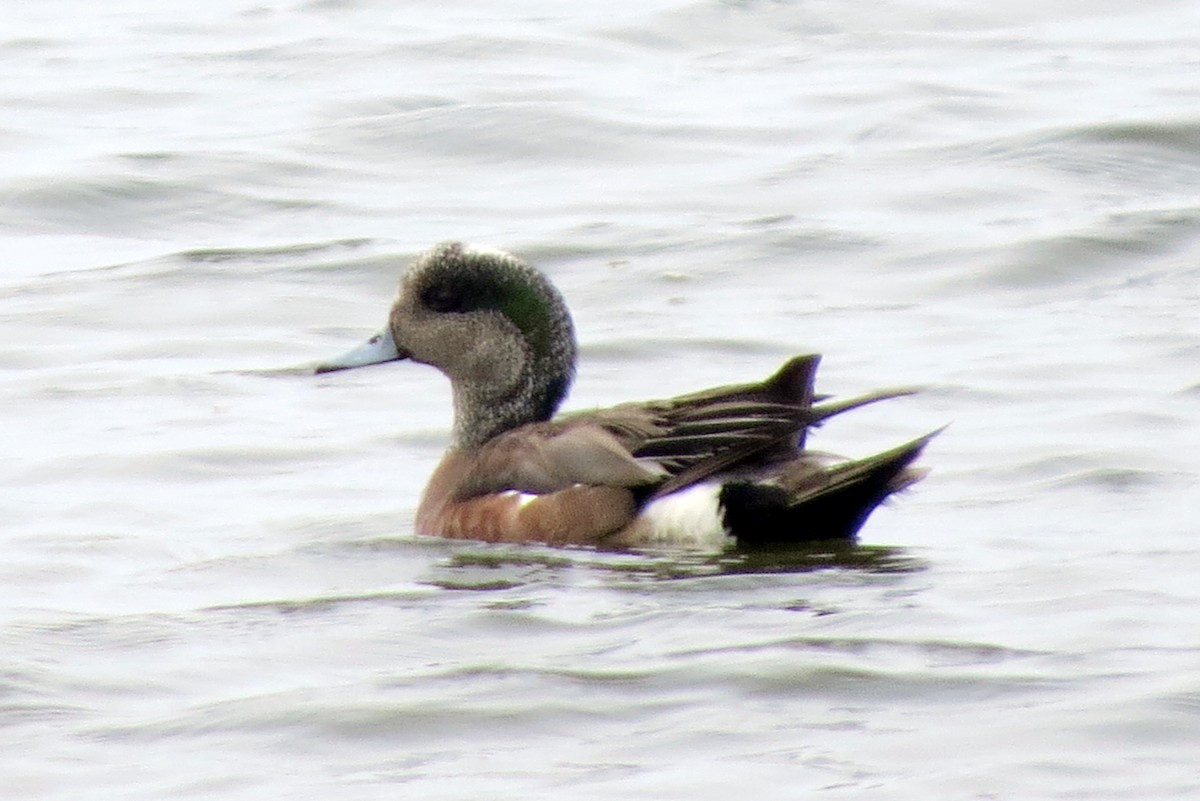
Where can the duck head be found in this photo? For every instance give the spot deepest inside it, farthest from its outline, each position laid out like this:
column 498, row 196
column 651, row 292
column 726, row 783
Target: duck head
column 494, row 325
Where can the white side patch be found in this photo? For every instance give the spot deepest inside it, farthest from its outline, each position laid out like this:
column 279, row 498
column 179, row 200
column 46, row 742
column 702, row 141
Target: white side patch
column 690, row 517
column 523, row 498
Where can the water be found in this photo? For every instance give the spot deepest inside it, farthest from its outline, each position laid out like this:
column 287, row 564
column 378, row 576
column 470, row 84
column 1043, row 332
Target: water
column 209, row 586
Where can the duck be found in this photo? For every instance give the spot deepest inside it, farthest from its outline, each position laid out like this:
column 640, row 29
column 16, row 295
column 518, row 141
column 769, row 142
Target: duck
column 721, row 467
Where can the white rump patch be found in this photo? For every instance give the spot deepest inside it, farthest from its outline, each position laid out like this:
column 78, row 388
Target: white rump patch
column 689, row 517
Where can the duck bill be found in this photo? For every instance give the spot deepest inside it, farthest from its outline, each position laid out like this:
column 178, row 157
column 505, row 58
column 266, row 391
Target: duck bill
column 376, row 350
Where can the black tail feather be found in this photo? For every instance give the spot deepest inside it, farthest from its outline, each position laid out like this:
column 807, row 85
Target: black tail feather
column 811, row 502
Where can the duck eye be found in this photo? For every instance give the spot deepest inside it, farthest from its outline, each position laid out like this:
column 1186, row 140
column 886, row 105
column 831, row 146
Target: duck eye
column 442, row 298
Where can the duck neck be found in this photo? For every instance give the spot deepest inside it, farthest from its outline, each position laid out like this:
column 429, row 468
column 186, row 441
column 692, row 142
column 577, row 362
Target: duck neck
column 480, row 415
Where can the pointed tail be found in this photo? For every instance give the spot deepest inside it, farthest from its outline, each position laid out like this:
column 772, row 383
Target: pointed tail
column 815, row 502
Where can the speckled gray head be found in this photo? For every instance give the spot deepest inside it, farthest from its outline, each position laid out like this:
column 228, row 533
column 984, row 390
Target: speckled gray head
column 493, row 324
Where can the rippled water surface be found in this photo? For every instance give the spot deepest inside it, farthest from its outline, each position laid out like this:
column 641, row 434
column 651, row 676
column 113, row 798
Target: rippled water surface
column 209, row 587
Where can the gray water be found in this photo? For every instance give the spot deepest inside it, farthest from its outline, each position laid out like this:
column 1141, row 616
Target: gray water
column 209, row 586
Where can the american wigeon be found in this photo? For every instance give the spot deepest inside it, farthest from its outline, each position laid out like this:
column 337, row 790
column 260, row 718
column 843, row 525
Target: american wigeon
column 702, row 470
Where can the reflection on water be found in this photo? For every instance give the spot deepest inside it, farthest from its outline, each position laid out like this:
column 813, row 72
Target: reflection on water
column 486, row 567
